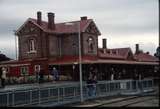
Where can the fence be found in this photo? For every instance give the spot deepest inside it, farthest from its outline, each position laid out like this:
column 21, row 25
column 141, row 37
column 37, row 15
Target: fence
column 62, row 94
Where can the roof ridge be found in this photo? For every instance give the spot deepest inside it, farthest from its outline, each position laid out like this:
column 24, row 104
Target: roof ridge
column 116, row 48
column 59, row 22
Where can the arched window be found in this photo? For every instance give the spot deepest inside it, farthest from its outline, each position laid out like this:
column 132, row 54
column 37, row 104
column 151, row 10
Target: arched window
column 32, row 45
column 90, row 44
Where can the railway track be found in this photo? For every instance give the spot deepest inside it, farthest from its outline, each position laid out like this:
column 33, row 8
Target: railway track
column 127, row 102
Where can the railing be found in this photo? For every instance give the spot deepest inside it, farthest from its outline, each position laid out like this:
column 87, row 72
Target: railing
column 62, row 94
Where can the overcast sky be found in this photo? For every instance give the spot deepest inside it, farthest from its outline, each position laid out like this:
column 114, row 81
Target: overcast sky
column 123, row 22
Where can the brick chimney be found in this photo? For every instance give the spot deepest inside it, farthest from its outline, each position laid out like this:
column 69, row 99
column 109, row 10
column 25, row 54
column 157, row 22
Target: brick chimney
column 137, row 49
column 51, row 24
column 104, row 45
column 39, row 17
column 147, row 52
column 84, row 18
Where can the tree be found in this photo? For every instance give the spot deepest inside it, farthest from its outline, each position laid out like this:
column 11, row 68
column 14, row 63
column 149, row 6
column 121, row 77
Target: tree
column 4, row 57
column 157, row 54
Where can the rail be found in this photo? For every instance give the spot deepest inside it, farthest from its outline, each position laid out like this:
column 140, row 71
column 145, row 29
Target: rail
column 62, row 94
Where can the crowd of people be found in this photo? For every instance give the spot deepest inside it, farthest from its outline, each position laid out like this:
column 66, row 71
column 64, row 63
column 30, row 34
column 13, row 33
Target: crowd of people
column 40, row 74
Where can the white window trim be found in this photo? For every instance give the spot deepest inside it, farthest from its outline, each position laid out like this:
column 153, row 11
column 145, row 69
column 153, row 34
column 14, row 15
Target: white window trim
column 32, row 45
column 32, row 51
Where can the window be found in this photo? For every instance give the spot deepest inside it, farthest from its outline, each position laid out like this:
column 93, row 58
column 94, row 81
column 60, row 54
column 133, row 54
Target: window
column 32, row 45
column 90, row 44
column 24, row 71
column 37, row 68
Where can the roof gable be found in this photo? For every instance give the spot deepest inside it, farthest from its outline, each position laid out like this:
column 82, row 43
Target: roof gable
column 29, row 20
column 28, row 27
column 92, row 28
column 61, row 28
column 117, row 53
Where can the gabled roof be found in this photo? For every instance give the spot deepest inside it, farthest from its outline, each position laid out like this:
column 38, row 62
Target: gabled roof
column 116, row 53
column 64, row 27
column 145, row 57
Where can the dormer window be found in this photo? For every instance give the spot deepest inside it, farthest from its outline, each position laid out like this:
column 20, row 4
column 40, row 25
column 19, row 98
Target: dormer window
column 32, row 45
column 90, row 44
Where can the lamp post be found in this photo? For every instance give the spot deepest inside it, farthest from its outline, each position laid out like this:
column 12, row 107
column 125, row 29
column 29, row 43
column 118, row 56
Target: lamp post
column 80, row 62
column 15, row 43
column 80, row 59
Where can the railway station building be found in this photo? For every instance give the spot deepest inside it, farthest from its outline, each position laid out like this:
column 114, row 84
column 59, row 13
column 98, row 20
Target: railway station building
column 46, row 44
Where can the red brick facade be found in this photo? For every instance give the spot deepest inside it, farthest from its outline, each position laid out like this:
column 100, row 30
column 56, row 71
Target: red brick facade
column 57, row 42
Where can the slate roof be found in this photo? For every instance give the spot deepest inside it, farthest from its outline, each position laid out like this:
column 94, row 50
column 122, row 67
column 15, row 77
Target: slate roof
column 145, row 57
column 61, row 28
column 116, row 53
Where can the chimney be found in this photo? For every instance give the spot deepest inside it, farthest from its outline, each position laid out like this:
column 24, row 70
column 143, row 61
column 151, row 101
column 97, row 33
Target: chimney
column 51, row 24
column 137, row 48
column 39, row 17
column 147, row 52
column 104, row 43
column 84, row 18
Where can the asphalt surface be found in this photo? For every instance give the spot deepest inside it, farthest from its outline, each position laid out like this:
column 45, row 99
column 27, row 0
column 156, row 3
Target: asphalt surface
column 146, row 100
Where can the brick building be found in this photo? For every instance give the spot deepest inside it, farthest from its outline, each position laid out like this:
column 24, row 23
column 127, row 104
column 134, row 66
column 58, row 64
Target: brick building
column 47, row 44
column 39, row 39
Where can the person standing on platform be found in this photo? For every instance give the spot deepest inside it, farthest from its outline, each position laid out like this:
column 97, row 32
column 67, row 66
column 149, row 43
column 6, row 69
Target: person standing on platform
column 112, row 74
column 89, row 84
column 94, row 82
column 3, row 77
column 41, row 76
column 37, row 74
column 55, row 74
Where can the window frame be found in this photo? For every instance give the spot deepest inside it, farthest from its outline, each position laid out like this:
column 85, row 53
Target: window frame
column 26, row 70
column 32, row 47
column 90, row 42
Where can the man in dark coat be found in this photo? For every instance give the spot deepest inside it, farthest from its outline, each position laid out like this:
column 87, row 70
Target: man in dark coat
column 41, row 76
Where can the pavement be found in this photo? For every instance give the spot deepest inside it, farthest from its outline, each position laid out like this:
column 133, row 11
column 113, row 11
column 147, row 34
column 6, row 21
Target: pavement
column 36, row 85
column 147, row 99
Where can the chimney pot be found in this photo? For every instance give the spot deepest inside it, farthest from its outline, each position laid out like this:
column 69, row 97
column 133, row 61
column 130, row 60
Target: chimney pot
column 84, row 18
column 51, row 24
column 39, row 17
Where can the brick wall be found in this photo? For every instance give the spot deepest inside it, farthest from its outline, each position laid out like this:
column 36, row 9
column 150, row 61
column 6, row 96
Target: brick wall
column 69, row 44
column 23, row 40
column 85, row 47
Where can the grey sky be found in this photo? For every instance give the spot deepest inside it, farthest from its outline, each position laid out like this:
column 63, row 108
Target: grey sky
column 123, row 22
